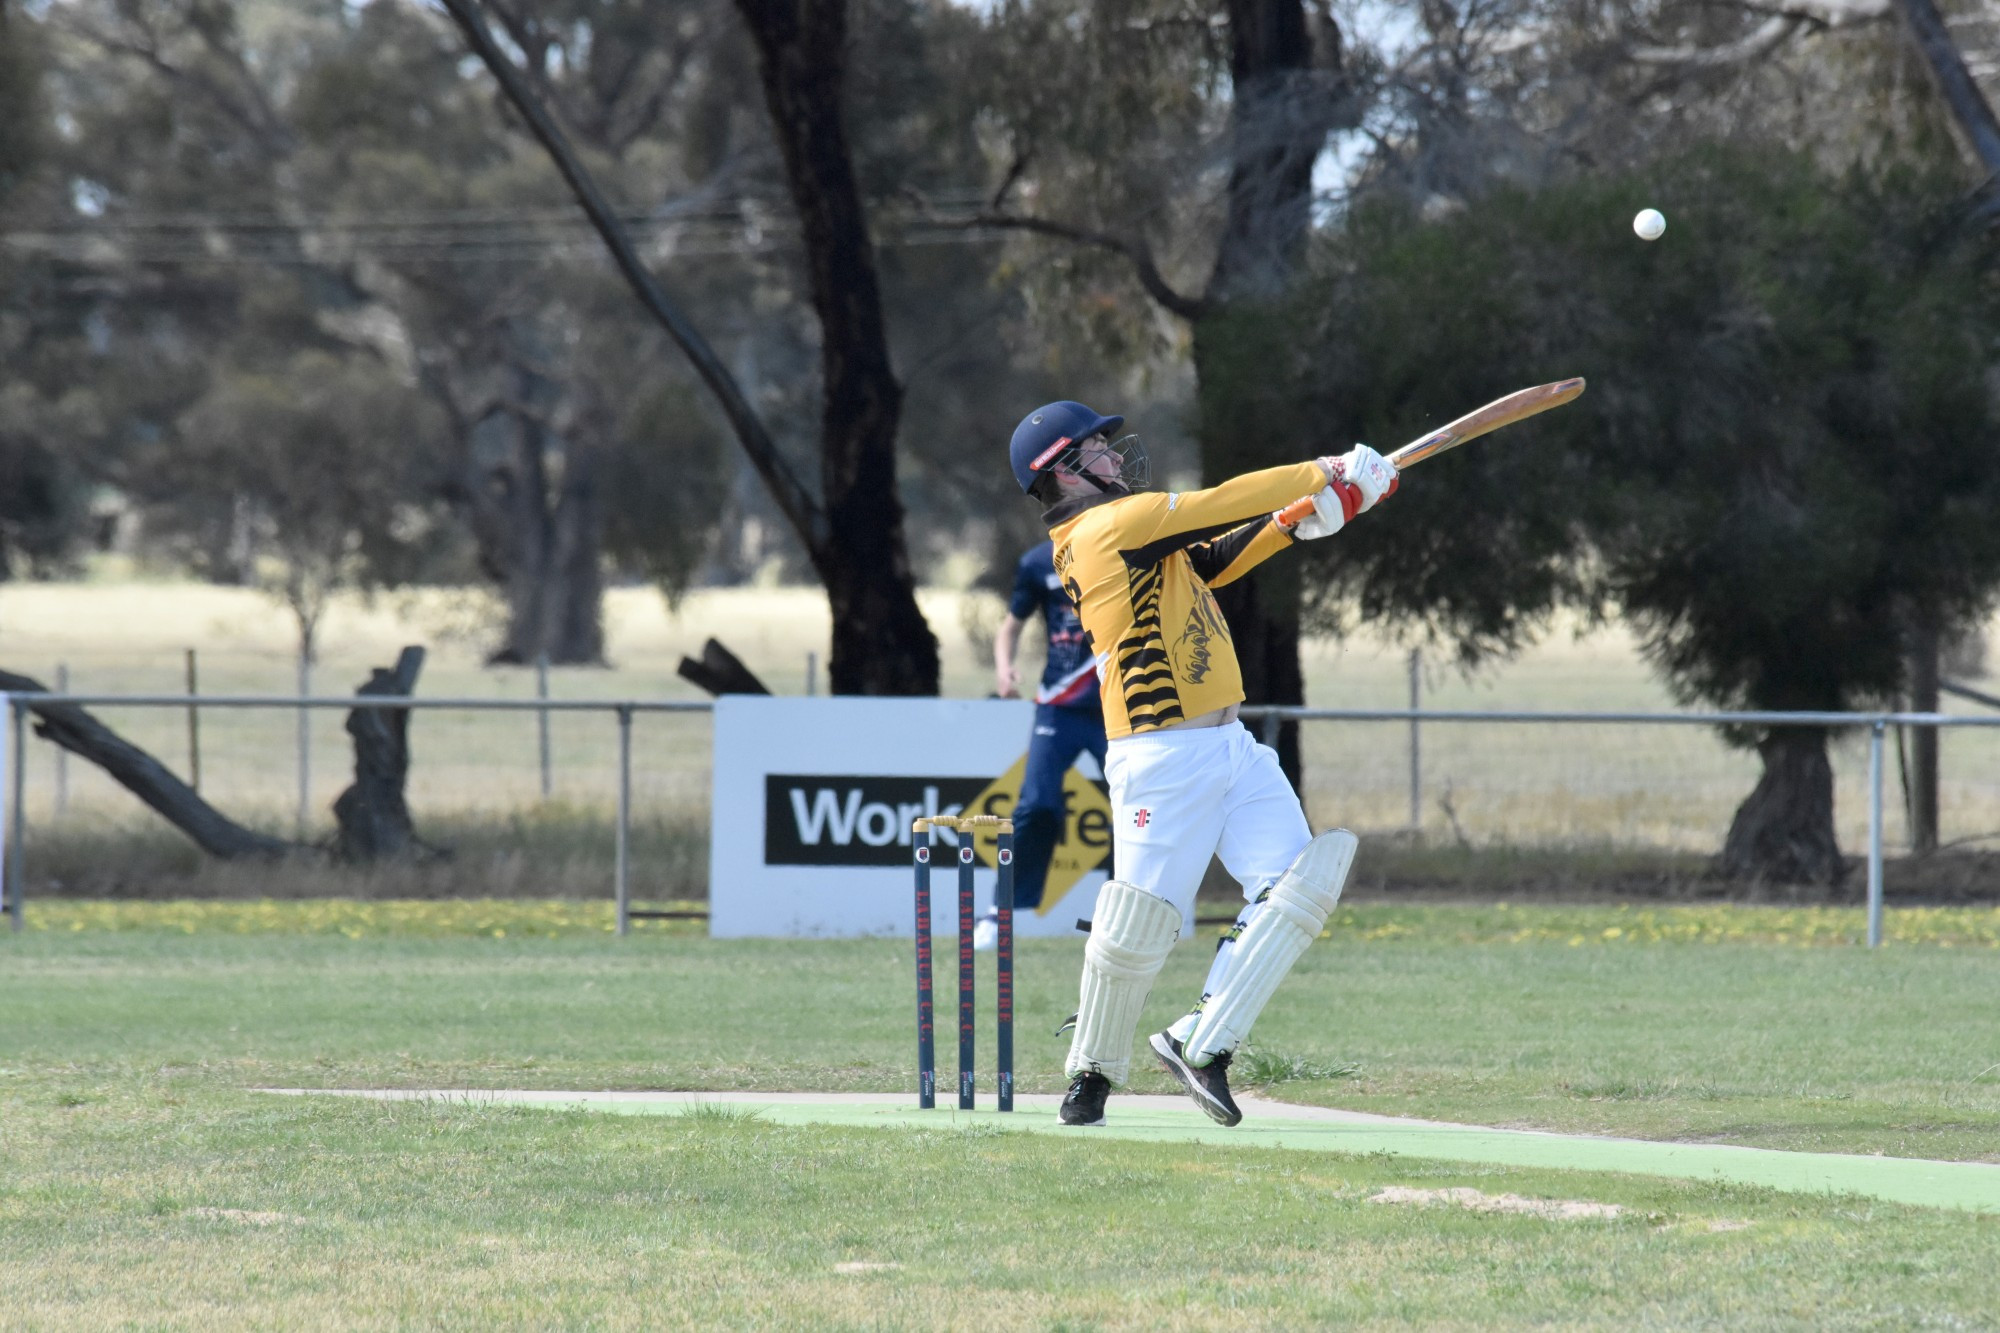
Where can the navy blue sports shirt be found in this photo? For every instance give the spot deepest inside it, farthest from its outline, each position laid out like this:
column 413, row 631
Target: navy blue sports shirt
column 1070, row 678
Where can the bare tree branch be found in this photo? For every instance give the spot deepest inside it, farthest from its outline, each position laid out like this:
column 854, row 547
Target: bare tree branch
column 246, row 106
column 798, row 504
column 1138, row 253
column 1782, row 24
column 1768, row 36
column 1968, row 105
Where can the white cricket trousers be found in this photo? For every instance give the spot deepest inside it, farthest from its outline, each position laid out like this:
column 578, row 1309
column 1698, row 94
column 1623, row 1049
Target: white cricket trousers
column 1180, row 797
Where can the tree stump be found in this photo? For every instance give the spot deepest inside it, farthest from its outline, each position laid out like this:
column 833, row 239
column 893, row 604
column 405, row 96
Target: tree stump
column 373, row 815
column 721, row 672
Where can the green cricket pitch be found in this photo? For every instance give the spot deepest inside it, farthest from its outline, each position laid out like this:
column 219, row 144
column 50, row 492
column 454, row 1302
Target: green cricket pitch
column 1973, row 1186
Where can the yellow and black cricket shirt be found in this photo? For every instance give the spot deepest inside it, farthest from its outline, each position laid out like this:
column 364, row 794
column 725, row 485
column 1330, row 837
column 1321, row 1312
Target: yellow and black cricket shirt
column 1139, row 568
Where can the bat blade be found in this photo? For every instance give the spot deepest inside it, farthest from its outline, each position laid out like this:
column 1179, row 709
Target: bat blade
column 1516, row 406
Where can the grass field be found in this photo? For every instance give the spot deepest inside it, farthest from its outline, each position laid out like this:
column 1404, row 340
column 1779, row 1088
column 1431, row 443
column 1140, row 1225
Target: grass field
column 142, row 1181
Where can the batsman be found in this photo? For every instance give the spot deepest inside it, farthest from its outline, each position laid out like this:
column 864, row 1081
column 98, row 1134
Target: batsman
column 1187, row 780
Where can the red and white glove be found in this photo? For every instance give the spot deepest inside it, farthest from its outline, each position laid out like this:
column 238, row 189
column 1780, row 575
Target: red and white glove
column 1329, row 513
column 1372, row 477
column 1361, row 479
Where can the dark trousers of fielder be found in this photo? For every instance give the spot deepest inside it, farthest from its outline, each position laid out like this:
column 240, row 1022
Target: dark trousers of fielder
column 1059, row 736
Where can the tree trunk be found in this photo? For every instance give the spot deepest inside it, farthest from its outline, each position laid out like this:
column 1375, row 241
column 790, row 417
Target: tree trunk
column 1924, row 647
column 1961, row 94
column 75, row 730
column 881, row 643
column 538, row 514
column 1263, row 616
column 373, row 815
column 1281, row 113
column 1783, row 833
column 1234, row 399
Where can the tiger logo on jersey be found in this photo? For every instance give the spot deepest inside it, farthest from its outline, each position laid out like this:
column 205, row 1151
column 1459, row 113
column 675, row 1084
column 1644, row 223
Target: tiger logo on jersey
column 1193, row 650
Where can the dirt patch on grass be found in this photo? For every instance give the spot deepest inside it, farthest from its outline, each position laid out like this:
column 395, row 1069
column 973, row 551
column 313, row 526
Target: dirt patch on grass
column 1556, row 1210
column 245, row 1216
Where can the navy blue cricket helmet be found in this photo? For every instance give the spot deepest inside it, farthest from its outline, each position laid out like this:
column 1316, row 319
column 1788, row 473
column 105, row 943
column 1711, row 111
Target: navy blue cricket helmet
column 1049, row 432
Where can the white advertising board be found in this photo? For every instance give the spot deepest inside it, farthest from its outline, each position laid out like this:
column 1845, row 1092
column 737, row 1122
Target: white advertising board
column 813, row 800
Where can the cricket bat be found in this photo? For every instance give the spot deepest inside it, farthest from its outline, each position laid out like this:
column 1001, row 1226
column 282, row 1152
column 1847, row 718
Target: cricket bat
column 1516, row 406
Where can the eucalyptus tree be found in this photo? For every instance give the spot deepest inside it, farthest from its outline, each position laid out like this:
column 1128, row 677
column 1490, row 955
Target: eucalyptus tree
column 331, row 179
column 43, row 495
column 1180, row 142
column 1788, row 451
column 496, row 298
column 852, row 525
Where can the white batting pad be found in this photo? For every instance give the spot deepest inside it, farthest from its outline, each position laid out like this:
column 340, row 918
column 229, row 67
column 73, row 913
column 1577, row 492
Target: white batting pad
column 1131, row 934
column 1289, row 918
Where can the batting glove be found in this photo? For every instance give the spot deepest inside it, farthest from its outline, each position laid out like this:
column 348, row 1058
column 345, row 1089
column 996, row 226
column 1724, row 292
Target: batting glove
column 1328, row 516
column 1373, row 477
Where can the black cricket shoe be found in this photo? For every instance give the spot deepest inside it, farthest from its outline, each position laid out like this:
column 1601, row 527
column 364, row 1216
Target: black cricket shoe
column 1209, row 1085
column 1084, row 1103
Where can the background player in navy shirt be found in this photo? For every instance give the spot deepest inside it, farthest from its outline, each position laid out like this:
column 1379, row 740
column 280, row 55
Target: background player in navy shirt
column 1068, row 720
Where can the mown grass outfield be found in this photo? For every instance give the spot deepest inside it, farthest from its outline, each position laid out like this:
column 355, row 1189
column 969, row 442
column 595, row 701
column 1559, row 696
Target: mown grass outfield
column 143, row 1180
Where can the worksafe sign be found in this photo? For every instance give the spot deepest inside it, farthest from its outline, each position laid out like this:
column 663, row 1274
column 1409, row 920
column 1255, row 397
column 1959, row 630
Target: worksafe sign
column 815, row 819
column 814, row 799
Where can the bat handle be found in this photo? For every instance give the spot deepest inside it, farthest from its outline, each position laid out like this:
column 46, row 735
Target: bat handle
column 1291, row 514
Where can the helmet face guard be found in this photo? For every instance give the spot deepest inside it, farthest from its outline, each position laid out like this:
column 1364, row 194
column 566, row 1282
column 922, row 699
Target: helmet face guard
column 1049, row 437
column 1134, row 471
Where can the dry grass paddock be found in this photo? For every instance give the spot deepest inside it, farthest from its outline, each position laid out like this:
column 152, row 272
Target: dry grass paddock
column 1603, row 799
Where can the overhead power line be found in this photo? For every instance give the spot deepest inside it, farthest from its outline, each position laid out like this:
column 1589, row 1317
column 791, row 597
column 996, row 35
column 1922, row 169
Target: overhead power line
column 448, row 236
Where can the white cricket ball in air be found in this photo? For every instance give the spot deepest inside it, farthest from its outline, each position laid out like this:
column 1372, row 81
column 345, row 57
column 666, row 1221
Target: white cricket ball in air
column 1649, row 225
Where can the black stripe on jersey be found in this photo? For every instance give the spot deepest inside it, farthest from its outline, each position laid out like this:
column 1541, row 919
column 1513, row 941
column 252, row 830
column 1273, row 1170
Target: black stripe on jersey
column 1145, row 673
column 1152, row 553
column 1150, row 697
column 1211, row 558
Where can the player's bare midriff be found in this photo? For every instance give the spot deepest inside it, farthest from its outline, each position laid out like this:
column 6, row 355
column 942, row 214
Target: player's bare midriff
column 1214, row 717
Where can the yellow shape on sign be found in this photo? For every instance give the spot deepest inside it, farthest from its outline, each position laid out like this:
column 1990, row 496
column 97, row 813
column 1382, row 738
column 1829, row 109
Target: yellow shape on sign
column 1085, row 843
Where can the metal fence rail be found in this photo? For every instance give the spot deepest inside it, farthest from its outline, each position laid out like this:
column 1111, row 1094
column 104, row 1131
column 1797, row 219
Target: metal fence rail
column 13, row 719
column 1266, row 718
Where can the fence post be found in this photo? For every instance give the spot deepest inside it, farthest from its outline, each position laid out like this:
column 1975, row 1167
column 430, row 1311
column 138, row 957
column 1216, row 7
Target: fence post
column 17, row 719
column 10, row 896
column 542, row 717
column 812, row 674
column 1416, row 757
column 62, row 755
column 1875, row 833
column 1267, row 730
column 624, row 818
column 305, row 743
column 194, row 727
